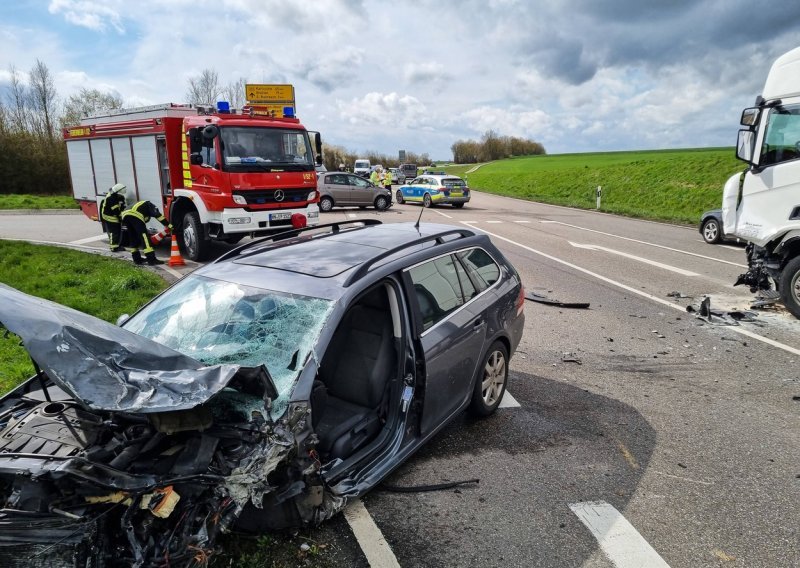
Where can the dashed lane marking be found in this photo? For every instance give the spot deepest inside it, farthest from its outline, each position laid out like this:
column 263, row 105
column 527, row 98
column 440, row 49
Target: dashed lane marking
column 494, row 222
column 618, row 539
column 675, row 269
column 442, row 214
column 522, row 221
column 378, row 552
column 548, row 222
column 632, row 290
column 352, row 215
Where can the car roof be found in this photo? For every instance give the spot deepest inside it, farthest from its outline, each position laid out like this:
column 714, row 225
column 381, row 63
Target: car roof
column 323, row 264
column 440, row 177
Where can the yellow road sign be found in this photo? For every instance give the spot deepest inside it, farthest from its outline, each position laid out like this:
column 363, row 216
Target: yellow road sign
column 269, row 93
column 276, row 111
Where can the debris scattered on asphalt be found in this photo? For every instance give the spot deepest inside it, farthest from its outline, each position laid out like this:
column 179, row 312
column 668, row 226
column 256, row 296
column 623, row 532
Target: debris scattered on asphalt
column 658, row 334
column 637, row 316
column 305, row 547
column 539, row 298
column 704, row 312
column 570, row 357
column 424, row 488
column 676, row 294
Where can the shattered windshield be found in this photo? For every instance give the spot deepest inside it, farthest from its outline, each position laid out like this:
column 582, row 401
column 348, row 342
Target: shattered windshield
column 256, row 148
column 222, row 322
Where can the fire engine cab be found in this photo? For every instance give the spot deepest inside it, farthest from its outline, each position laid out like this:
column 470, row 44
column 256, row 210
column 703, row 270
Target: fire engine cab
column 216, row 173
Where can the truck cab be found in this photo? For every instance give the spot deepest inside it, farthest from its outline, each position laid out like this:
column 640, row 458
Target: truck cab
column 762, row 204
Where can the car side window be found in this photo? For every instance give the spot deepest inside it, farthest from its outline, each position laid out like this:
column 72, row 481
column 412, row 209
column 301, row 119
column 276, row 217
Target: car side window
column 467, row 287
column 437, row 289
column 337, row 179
column 480, row 266
column 360, row 182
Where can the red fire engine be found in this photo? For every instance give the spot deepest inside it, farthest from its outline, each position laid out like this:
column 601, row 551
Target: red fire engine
column 217, row 174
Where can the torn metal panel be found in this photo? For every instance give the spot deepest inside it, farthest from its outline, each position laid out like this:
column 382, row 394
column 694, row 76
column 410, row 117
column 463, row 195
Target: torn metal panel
column 105, row 366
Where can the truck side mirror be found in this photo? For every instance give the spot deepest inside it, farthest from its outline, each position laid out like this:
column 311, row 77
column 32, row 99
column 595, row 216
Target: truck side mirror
column 750, row 116
column 210, row 132
column 744, row 146
column 196, row 158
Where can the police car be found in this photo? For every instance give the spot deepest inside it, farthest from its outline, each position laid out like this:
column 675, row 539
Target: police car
column 435, row 189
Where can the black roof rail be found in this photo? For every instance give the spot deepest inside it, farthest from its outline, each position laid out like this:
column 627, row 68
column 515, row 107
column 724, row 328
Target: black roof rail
column 363, row 269
column 335, row 228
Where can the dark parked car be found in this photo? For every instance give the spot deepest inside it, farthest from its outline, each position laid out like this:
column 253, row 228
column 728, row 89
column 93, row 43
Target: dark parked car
column 262, row 391
column 338, row 189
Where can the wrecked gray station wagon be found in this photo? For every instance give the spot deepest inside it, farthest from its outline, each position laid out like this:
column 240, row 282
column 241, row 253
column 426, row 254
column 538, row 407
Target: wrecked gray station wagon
column 261, row 392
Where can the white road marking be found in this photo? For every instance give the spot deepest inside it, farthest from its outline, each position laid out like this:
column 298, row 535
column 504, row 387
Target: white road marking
column 494, row 222
column 442, row 214
column 508, row 401
column 522, row 221
column 675, row 269
column 172, row 271
column 663, row 302
column 369, row 536
column 352, row 215
column 548, row 222
column 720, row 246
column 89, row 239
column 620, row 541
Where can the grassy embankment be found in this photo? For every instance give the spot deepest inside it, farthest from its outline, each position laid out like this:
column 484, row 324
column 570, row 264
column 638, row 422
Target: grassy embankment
column 664, row 185
column 16, row 201
column 100, row 286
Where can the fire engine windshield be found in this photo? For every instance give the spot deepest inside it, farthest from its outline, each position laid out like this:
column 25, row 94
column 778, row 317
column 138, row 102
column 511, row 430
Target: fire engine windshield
column 249, row 148
column 219, row 322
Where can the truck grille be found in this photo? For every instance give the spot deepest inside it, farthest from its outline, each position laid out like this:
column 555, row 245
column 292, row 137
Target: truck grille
column 267, row 196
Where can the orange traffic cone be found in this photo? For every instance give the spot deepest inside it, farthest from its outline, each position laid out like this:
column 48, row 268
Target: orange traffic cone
column 175, row 258
column 158, row 237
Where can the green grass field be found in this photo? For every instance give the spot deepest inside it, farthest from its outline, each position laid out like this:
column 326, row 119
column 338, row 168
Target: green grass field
column 664, row 185
column 100, row 286
column 16, row 201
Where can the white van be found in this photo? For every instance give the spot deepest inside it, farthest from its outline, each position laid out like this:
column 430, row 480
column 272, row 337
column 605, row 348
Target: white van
column 361, row 168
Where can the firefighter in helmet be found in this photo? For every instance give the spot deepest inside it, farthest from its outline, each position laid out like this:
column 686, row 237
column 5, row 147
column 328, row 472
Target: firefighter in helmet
column 111, row 208
column 135, row 236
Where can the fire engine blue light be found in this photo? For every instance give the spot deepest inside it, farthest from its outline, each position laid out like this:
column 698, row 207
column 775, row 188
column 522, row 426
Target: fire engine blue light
column 223, row 107
column 288, row 112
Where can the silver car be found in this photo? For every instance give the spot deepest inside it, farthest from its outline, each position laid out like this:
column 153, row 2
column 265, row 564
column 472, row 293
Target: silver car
column 342, row 189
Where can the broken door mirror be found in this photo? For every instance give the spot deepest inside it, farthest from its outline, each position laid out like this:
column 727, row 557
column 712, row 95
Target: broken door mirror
column 744, row 146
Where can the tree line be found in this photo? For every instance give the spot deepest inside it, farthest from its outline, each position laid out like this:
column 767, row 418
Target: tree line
column 493, row 146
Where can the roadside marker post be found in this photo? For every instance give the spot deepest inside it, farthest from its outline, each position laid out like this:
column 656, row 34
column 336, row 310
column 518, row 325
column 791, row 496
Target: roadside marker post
column 599, row 195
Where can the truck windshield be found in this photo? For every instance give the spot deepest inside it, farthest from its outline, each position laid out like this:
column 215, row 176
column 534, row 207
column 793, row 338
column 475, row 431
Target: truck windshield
column 224, row 322
column 248, row 148
column 782, row 138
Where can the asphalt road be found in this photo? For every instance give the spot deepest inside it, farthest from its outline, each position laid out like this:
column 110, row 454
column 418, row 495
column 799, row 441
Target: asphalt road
column 688, row 430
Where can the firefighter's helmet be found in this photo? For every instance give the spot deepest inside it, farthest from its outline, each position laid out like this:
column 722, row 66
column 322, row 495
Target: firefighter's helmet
column 118, row 188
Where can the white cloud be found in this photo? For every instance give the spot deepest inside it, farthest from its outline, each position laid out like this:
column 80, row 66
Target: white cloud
column 382, row 109
column 422, row 72
column 507, row 121
column 89, row 14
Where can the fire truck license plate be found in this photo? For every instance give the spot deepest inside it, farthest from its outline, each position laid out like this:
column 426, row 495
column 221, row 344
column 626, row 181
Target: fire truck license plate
column 279, row 216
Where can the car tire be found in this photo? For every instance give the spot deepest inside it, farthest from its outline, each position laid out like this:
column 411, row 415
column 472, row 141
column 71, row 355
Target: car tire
column 458, row 205
column 192, row 241
column 325, row 204
column 790, row 286
column 711, row 231
column 381, row 203
column 491, row 384
column 426, row 200
column 399, row 197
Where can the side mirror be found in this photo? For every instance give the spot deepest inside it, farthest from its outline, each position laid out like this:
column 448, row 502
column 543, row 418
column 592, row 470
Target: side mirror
column 744, row 145
column 210, row 132
column 122, row 319
column 196, row 158
column 750, row 116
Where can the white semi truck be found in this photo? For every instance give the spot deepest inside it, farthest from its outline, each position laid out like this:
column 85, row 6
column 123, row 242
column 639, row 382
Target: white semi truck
column 762, row 204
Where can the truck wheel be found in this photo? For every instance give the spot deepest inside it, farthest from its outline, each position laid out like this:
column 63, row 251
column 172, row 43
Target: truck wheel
column 790, row 286
column 195, row 247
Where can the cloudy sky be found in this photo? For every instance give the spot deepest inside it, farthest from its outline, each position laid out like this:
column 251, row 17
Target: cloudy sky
column 577, row 76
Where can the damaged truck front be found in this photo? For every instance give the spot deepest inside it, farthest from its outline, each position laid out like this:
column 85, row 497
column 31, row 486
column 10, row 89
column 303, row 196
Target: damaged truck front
column 761, row 205
column 121, row 451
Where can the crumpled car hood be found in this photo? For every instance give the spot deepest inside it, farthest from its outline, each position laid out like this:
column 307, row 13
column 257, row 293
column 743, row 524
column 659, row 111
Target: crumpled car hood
column 105, row 366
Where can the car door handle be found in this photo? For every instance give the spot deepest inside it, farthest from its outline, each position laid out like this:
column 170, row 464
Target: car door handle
column 477, row 324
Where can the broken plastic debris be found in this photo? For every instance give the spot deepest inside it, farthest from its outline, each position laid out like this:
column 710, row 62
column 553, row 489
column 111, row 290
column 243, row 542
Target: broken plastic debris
column 570, row 357
column 534, row 297
column 676, row 294
column 161, row 502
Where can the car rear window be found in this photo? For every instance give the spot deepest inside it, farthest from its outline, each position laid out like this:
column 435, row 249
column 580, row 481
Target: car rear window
column 451, row 183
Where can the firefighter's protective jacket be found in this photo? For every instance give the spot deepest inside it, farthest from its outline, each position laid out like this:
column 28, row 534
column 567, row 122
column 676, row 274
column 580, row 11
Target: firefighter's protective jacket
column 111, row 207
column 143, row 210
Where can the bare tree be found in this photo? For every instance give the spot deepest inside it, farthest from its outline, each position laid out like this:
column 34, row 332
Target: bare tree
column 86, row 102
column 43, row 99
column 19, row 109
column 204, row 89
column 233, row 92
